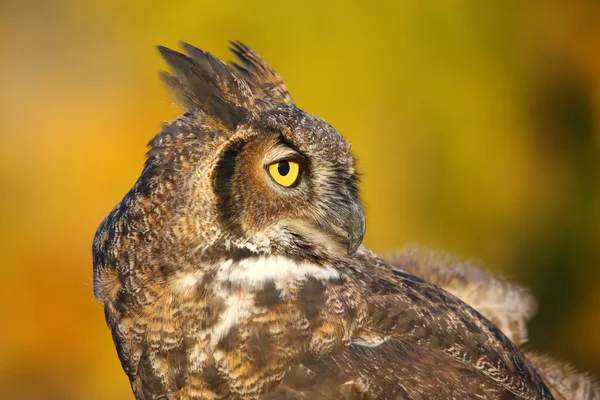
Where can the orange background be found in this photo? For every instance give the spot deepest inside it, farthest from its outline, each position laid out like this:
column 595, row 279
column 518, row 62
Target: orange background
column 476, row 127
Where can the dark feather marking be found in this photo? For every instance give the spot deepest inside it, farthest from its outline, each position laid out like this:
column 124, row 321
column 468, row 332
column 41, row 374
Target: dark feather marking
column 153, row 384
column 231, row 341
column 123, row 301
column 268, row 295
column 303, row 249
column 299, row 377
column 214, row 381
column 222, row 185
column 177, row 359
column 211, row 313
column 167, row 270
column 240, row 253
column 261, row 346
column 312, row 298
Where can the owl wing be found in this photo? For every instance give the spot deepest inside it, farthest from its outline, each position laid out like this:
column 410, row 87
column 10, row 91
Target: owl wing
column 507, row 305
column 404, row 307
column 398, row 370
column 394, row 370
column 264, row 81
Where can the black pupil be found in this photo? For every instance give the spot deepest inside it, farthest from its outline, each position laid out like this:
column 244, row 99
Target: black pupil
column 283, row 168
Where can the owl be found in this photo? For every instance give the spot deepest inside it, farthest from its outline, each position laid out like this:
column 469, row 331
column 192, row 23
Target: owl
column 233, row 268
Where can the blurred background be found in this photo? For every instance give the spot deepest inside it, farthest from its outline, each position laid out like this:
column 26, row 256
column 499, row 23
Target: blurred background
column 476, row 125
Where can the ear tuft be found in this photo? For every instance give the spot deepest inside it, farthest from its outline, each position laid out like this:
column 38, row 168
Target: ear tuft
column 263, row 80
column 200, row 81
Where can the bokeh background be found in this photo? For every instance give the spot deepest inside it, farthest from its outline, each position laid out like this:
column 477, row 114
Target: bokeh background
column 476, row 125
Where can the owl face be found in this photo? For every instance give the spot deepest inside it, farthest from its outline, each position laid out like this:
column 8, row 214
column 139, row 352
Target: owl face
column 279, row 179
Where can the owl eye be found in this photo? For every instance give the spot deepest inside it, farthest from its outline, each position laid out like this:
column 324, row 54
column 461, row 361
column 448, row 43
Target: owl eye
column 284, row 172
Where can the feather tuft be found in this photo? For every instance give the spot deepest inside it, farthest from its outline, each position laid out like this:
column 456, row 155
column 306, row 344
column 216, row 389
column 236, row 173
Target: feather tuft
column 563, row 380
column 199, row 81
column 264, row 81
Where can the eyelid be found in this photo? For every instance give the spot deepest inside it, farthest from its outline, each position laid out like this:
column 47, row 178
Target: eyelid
column 283, row 153
column 295, row 157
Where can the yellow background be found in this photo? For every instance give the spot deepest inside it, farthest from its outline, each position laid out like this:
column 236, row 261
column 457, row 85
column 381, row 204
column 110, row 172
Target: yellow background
column 476, row 125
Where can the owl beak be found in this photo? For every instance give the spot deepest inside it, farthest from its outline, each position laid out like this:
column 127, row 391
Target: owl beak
column 356, row 226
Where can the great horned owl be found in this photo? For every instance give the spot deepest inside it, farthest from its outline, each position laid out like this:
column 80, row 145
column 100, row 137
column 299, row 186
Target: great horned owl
column 233, row 269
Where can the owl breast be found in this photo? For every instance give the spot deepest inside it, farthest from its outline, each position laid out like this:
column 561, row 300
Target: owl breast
column 248, row 319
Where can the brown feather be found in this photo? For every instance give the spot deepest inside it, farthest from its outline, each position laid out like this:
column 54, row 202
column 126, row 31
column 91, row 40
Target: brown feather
column 507, row 305
column 201, row 81
column 393, row 370
column 564, row 381
column 264, row 81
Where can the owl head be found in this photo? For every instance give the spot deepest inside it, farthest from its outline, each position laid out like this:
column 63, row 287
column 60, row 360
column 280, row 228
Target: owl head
column 244, row 167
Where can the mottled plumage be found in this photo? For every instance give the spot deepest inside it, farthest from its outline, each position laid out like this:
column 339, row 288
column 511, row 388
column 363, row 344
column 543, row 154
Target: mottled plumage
column 220, row 282
column 506, row 304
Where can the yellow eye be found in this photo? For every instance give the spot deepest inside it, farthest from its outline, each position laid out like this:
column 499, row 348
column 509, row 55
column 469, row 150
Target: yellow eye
column 285, row 172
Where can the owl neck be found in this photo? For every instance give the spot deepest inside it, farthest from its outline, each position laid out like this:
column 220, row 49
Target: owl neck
column 283, row 257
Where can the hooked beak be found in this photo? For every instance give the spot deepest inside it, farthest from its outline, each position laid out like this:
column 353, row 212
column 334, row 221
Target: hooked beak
column 345, row 222
column 354, row 224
